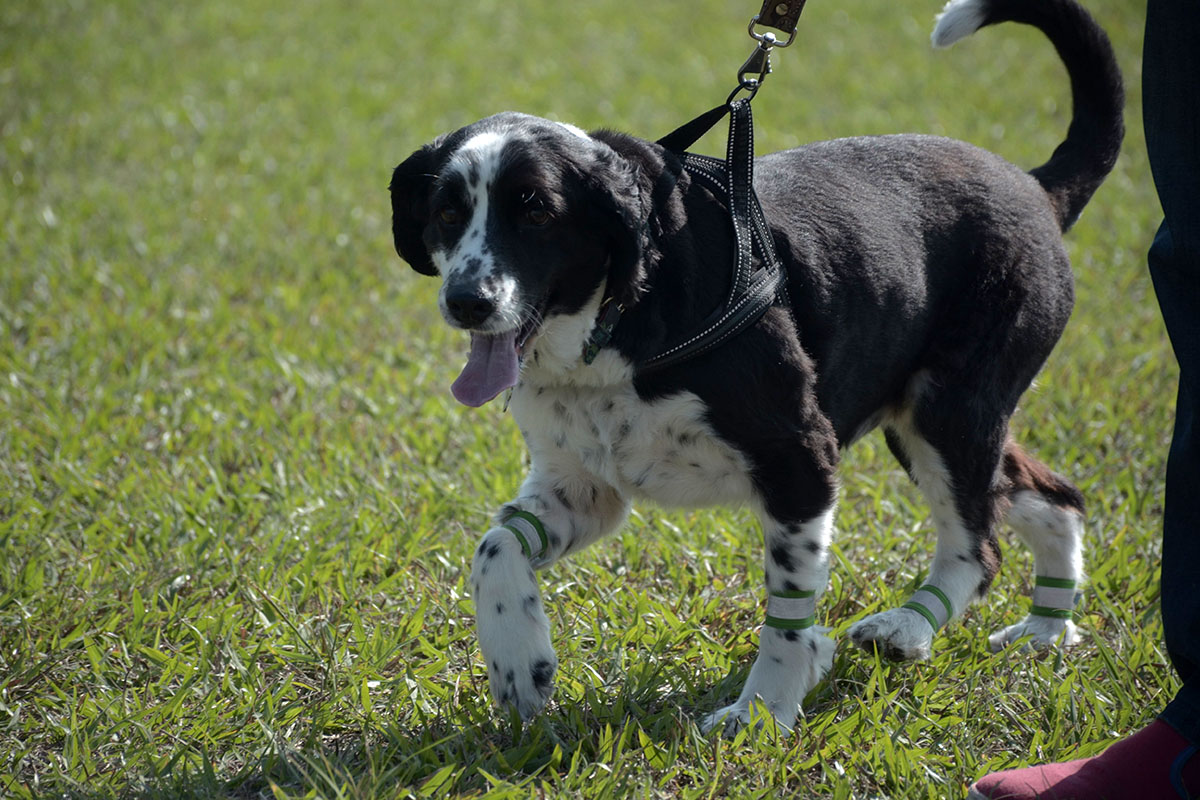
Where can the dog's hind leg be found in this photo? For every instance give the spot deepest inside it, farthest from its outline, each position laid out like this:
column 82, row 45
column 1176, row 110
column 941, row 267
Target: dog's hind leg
column 954, row 459
column 1047, row 513
column 793, row 653
column 558, row 510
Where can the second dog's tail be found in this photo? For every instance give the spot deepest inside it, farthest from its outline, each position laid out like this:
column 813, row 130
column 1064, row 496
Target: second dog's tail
column 1088, row 154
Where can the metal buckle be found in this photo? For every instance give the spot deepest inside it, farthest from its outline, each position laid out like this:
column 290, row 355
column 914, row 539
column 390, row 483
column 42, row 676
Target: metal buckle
column 764, row 37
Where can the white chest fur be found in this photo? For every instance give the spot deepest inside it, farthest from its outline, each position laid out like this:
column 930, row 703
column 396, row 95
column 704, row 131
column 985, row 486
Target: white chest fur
column 663, row 450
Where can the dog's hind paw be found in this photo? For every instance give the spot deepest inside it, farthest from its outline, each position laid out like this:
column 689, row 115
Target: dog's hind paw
column 900, row 634
column 1037, row 632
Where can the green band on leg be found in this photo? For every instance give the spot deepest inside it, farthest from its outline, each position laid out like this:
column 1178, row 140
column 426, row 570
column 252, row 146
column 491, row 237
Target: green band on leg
column 525, row 527
column 924, row 612
column 1055, row 613
column 932, row 603
column 790, row 624
column 1054, row 597
column 792, row 610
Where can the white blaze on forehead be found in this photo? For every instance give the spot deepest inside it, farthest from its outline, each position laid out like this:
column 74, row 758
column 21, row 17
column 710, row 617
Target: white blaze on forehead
column 478, row 161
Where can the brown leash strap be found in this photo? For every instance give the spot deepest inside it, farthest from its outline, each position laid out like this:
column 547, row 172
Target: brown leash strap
column 782, row 15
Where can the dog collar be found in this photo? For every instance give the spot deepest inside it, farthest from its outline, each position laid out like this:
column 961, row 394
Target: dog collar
column 759, row 280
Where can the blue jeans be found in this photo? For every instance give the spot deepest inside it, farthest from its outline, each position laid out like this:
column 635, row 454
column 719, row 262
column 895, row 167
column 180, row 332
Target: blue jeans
column 1171, row 99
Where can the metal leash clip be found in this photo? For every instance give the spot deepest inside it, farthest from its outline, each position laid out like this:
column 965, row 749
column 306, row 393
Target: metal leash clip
column 768, row 36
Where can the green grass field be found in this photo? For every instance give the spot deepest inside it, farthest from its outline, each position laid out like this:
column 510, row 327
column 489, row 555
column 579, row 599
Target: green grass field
column 237, row 503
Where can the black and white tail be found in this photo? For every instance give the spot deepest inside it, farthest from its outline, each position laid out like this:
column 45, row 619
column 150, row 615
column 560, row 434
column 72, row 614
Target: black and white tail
column 1088, row 154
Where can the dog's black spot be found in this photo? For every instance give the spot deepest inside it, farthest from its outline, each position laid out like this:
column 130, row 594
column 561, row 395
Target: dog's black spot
column 812, row 645
column 561, row 494
column 962, row 558
column 507, row 696
column 541, row 390
column 788, row 586
column 595, row 494
column 495, row 666
column 530, row 604
column 479, row 550
column 474, row 264
column 555, row 540
column 782, row 558
column 541, row 673
column 608, row 405
column 510, row 676
column 594, row 429
column 493, row 550
column 499, row 608
column 559, row 409
column 694, row 465
column 483, row 570
column 791, row 636
column 473, row 174
column 812, row 547
column 776, row 660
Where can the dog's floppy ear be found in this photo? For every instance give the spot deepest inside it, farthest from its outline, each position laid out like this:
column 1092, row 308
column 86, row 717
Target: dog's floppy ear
column 410, row 188
column 622, row 205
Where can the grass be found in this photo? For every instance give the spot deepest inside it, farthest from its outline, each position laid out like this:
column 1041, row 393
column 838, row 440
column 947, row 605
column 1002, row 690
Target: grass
column 237, row 504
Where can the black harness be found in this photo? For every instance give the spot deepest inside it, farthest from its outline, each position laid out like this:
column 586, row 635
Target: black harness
column 758, row 280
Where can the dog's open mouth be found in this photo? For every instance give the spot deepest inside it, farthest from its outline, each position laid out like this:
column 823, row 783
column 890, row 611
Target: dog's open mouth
column 493, row 365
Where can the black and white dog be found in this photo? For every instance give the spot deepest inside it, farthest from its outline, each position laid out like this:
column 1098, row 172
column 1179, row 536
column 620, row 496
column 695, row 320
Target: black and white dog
column 928, row 283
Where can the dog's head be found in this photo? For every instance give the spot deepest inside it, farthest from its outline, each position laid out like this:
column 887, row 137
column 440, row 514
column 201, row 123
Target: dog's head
column 526, row 221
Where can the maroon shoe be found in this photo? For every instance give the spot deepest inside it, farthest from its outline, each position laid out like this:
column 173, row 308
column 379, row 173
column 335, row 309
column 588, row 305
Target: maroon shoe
column 1156, row 763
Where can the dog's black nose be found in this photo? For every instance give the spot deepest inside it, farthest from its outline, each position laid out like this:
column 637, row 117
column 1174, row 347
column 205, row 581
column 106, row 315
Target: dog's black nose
column 468, row 306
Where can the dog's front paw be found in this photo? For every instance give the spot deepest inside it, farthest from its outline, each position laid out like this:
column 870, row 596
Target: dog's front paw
column 900, row 634
column 1038, row 632
column 789, row 665
column 514, row 638
column 732, row 718
column 514, row 631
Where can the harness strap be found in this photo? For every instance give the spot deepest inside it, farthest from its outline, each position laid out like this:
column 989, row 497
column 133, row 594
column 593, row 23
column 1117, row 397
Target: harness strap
column 752, row 290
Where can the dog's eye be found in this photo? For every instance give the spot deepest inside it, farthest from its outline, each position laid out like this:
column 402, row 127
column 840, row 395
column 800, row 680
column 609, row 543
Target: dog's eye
column 537, row 216
column 449, row 215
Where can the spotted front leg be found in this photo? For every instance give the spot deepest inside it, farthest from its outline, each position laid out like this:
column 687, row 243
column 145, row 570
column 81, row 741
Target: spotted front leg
column 552, row 516
column 514, row 631
column 793, row 653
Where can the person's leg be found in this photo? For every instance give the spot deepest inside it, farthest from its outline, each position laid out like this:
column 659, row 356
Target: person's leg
column 1160, row 761
column 1171, row 80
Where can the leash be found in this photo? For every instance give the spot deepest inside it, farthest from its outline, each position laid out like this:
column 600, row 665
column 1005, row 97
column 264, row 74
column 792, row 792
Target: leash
column 759, row 280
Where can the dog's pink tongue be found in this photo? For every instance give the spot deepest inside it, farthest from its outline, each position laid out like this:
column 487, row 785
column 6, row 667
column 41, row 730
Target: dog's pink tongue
column 491, row 368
